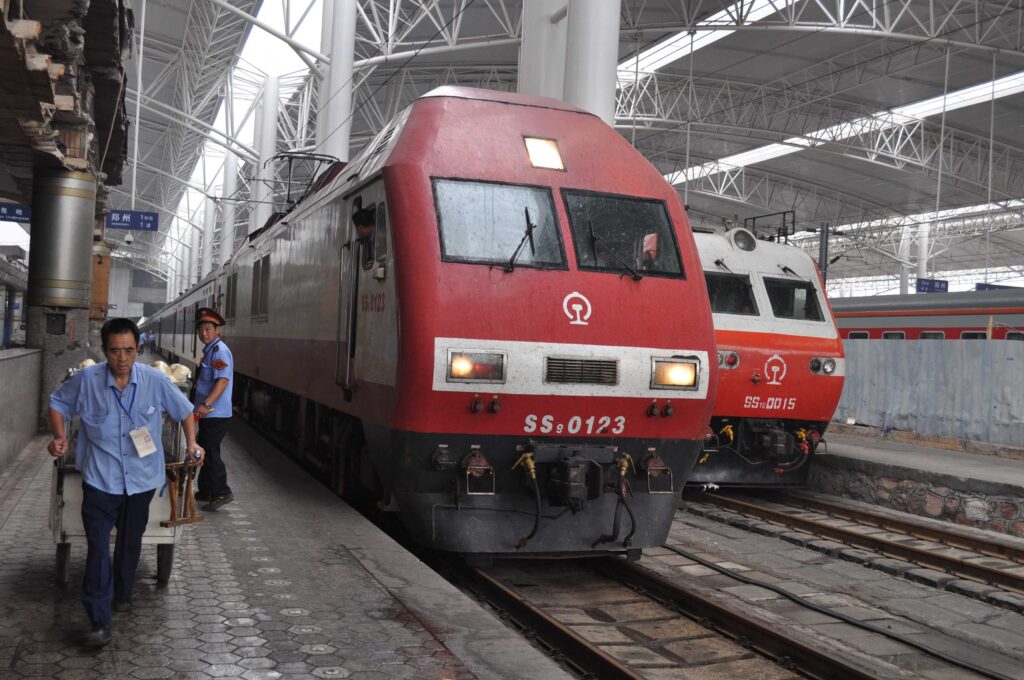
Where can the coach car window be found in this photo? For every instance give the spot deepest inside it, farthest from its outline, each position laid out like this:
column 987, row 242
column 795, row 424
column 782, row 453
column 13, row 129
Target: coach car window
column 730, row 293
column 622, row 235
column 858, row 335
column 489, row 223
column 1014, row 335
column 893, row 335
column 792, row 299
column 973, row 335
column 933, row 335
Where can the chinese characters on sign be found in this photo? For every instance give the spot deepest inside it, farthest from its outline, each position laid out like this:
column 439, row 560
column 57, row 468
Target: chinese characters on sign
column 12, row 212
column 932, row 286
column 132, row 219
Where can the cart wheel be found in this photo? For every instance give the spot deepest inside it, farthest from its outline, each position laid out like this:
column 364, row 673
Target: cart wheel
column 63, row 563
column 164, row 562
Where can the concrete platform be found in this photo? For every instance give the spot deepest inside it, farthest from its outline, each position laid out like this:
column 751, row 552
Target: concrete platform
column 286, row 582
column 973, row 489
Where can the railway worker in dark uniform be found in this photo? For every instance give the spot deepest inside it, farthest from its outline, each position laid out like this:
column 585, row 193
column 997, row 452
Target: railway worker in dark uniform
column 363, row 219
column 120, row 405
column 213, row 407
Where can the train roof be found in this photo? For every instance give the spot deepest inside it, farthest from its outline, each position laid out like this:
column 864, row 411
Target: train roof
column 767, row 257
column 500, row 97
column 990, row 299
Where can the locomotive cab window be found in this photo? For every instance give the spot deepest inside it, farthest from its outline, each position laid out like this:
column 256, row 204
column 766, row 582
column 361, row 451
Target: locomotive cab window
column 498, row 224
column 622, row 235
column 792, row 299
column 730, row 293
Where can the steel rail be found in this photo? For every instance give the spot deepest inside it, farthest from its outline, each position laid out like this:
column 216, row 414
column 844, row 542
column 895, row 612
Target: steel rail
column 952, row 539
column 767, row 639
column 920, row 556
column 560, row 637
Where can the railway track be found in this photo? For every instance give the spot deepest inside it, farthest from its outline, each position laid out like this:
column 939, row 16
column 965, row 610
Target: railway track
column 612, row 619
column 993, row 562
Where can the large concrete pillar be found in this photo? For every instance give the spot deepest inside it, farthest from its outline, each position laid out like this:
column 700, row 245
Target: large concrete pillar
column 334, row 118
column 60, row 273
column 592, row 53
column 209, row 225
column 542, row 51
column 100, row 294
column 227, row 227
column 265, row 141
column 8, row 309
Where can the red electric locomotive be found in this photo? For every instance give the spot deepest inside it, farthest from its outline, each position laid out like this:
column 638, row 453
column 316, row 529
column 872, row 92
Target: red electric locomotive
column 780, row 361
column 974, row 315
column 517, row 359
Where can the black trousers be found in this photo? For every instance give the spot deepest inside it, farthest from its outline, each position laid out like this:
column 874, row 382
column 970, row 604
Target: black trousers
column 101, row 512
column 213, row 476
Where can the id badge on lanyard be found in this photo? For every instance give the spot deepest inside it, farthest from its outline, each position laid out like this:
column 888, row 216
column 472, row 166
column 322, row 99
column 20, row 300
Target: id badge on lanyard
column 141, row 438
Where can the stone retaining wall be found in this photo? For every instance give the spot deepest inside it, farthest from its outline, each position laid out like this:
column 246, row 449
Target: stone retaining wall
column 984, row 505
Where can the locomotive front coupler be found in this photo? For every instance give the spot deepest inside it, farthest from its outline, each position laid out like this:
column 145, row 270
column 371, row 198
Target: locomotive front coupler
column 572, row 474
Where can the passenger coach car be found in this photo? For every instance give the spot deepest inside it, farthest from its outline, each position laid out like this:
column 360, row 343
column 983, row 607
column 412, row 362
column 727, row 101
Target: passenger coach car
column 517, row 360
column 975, row 315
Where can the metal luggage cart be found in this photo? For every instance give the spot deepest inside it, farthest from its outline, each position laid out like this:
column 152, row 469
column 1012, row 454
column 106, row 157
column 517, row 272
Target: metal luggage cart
column 172, row 507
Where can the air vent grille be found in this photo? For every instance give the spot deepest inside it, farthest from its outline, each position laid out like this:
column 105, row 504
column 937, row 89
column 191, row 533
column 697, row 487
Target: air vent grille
column 581, row 371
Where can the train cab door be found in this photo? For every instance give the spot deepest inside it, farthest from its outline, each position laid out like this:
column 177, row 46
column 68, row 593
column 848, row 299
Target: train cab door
column 370, row 341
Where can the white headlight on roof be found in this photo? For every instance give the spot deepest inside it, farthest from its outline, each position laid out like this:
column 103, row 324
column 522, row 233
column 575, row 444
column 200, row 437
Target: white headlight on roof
column 544, row 153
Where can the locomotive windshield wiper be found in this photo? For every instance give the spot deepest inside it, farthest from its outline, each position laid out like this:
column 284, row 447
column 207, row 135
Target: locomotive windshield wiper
column 789, row 271
column 721, row 263
column 594, row 238
column 527, row 236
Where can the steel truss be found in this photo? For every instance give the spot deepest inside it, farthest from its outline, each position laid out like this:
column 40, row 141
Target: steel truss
column 981, row 24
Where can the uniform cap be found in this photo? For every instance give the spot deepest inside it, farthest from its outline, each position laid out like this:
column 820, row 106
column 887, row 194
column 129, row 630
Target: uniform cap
column 207, row 314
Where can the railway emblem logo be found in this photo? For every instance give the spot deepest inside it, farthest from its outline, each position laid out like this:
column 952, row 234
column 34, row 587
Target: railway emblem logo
column 775, row 369
column 577, row 307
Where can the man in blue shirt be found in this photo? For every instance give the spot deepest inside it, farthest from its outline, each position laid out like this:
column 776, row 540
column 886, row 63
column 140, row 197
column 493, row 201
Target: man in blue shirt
column 216, row 377
column 120, row 405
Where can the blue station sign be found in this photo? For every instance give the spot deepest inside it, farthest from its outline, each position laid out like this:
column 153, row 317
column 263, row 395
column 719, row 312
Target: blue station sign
column 932, row 286
column 133, row 219
column 12, row 212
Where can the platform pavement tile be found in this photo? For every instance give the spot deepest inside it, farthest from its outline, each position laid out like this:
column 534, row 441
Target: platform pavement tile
column 181, row 665
column 152, row 673
column 261, row 674
column 257, row 662
column 79, row 674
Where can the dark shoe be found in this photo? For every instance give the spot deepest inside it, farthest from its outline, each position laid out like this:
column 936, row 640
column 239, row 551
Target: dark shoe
column 218, row 502
column 122, row 606
column 99, row 636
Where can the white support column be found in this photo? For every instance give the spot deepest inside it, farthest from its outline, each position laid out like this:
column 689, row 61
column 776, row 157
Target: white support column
column 227, row 227
column 334, row 118
column 542, row 51
column 323, row 87
column 193, row 258
column 265, row 141
column 209, row 225
column 904, row 255
column 592, row 56
column 923, row 231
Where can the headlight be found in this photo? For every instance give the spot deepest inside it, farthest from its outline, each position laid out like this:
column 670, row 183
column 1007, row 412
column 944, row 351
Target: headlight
column 744, row 240
column 486, row 367
column 673, row 373
column 828, row 367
